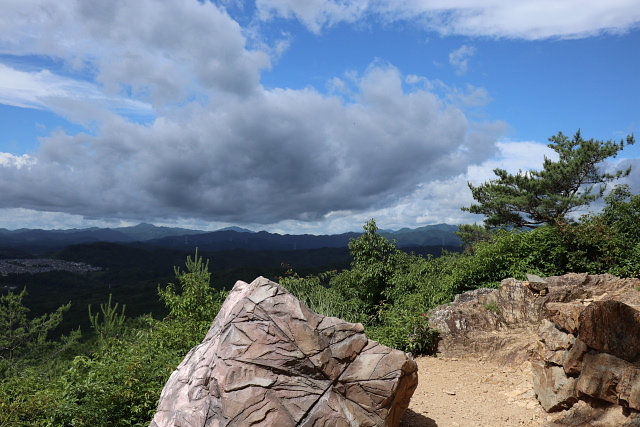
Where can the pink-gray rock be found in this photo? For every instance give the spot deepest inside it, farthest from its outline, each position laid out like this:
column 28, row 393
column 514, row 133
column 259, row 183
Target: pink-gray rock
column 269, row 361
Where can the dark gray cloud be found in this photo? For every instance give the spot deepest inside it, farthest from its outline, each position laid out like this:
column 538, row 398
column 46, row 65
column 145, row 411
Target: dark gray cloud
column 220, row 147
column 282, row 154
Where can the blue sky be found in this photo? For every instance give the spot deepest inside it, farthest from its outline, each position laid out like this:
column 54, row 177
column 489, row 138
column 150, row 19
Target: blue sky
column 297, row 116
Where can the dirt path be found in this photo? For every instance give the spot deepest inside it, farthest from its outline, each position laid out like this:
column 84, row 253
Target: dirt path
column 472, row 393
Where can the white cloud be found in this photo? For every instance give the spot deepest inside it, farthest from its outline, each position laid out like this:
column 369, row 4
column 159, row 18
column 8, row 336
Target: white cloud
column 30, row 89
column 315, row 14
column 9, row 160
column 513, row 156
column 221, row 148
column 433, row 202
column 530, row 20
column 460, row 57
column 81, row 101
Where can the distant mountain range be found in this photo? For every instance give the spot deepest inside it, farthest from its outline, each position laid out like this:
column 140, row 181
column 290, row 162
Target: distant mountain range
column 224, row 239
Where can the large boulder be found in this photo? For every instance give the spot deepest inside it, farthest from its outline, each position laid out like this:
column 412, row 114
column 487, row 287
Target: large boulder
column 612, row 327
column 269, row 361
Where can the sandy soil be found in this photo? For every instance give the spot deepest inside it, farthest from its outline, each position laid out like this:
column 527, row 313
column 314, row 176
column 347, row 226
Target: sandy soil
column 473, row 393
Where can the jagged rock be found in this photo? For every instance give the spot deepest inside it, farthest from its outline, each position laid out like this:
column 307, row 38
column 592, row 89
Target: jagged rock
column 554, row 390
column 628, row 388
column 536, row 283
column 469, row 328
column 566, row 316
column 554, row 338
column 600, row 376
column 594, row 413
column 572, row 362
column 269, row 361
column 612, row 327
column 518, row 305
column 553, row 343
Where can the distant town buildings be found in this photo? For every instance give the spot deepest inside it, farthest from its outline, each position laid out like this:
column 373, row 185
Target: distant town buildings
column 42, row 265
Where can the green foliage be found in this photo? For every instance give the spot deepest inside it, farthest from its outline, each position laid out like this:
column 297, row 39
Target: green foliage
column 370, row 290
column 608, row 242
column 19, row 334
column 470, row 234
column 118, row 385
column 117, row 378
column 373, row 265
column 414, row 285
column 193, row 302
column 193, row 298
column 514, row 254
column 493, row 307
column 405, row 329
column 112, row 323
column 26, row 397
column 311, row 291
column 533, row 198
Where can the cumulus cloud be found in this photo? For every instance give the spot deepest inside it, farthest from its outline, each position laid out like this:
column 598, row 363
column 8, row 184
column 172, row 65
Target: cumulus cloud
column 531, row 20
column 280, row 154
column 219, row 146
column 134, row 48
column 633, row 180
column 436, row 201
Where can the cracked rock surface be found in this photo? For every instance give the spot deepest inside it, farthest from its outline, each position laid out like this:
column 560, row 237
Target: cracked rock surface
column 268, row 360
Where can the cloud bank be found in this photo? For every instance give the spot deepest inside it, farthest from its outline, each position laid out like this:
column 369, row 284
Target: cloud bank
column 215, row 145
column 281, row 154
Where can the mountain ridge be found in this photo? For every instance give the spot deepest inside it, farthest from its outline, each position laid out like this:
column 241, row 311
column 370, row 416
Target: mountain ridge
column 224, row 239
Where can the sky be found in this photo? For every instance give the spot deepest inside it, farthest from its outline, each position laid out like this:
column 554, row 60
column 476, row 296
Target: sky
column 298, row 116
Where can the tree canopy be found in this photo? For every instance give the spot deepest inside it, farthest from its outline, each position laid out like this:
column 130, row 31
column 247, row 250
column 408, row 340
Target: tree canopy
column 533, row 198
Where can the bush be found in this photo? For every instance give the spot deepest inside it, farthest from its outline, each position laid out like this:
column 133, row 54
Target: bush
column 119, row 385
column 607, row 242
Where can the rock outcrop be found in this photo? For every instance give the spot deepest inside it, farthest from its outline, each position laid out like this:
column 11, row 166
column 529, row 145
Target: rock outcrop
column 269, row 361
column 580, row 333
column 598, row 362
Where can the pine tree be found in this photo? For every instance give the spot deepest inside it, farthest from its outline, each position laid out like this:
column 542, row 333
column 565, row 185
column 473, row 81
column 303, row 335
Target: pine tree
column 533, row 198
column 18, row 333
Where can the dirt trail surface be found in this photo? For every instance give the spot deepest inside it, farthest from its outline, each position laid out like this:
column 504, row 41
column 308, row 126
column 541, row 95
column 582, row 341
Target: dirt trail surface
column 473, row 393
